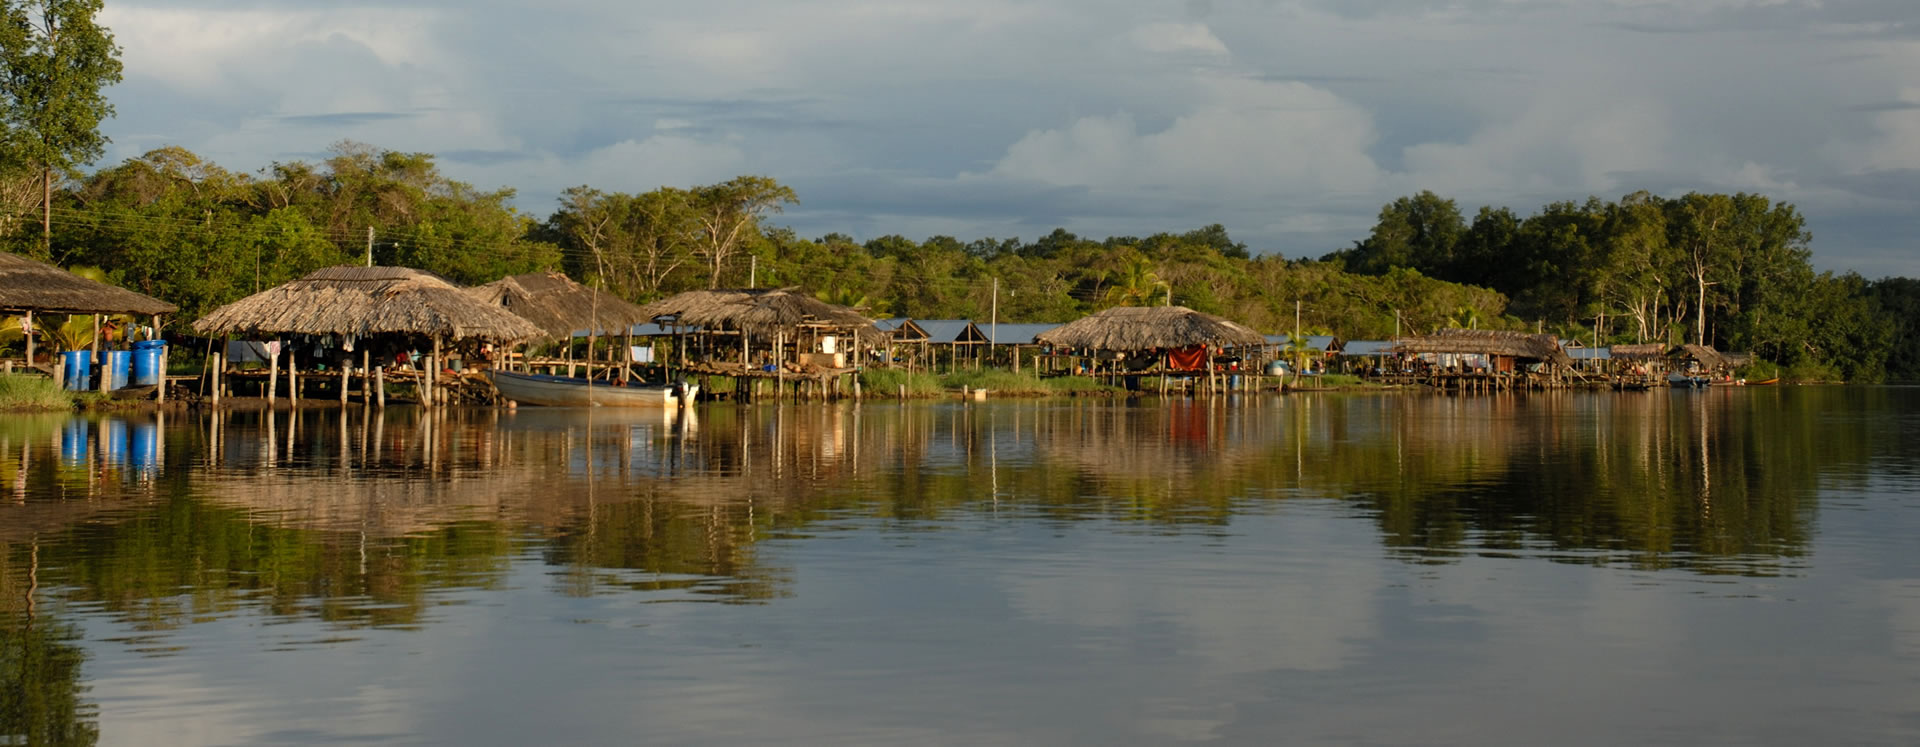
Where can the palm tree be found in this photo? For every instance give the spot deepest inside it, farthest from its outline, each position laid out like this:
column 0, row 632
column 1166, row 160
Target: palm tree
column 1135, row 285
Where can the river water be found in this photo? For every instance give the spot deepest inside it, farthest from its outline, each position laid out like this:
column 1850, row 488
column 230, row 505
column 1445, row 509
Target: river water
column 1729, row 566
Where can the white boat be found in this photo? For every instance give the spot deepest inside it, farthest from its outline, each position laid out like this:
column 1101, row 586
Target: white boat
column 561, row 391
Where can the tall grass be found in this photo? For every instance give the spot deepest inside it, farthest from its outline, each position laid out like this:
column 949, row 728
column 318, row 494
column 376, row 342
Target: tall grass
column 23, row 392
column 1025, row 383
column 886, row 382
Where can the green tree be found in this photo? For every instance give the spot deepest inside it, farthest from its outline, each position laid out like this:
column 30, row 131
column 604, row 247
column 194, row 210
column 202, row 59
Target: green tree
column 55, row 62
column 728, row 216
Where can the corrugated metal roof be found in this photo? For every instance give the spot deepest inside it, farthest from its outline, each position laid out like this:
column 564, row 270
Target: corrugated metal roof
column 889, row 325
column 1322, row 343
column 1014, row 334
column 1590, row 354
column 1367, row 347
column 948, row 331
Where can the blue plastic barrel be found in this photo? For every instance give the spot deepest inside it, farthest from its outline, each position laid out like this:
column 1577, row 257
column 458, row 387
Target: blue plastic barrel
column 79, row 374
column 116, row 371
column 146, row 362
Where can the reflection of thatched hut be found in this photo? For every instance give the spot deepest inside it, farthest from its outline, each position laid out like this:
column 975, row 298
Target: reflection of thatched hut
column 358, row 305
column 1124, row 328
column 560, row 306
column 730, row 322
column 37, row 287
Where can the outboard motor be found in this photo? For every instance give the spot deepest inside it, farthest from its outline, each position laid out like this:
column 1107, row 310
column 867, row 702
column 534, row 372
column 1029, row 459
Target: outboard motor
column 680, row 390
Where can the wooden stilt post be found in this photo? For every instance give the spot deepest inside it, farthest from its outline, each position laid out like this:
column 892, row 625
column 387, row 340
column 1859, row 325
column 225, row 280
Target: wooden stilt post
column 273, row 370
column 215, row 364
column 29, row 318
column 432, row 392
column 366, row 376
column 293, row 377
column 99, row 362
column 380, row 385
column 160, row 395
column 346, row 370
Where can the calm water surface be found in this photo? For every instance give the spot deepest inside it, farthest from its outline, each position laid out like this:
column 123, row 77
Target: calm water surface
column 1735, row 566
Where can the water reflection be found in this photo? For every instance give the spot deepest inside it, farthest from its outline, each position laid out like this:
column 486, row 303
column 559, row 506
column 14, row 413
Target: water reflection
column 363, row 520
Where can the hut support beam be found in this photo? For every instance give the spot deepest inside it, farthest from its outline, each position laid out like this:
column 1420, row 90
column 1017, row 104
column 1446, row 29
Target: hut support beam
column 293, row 377
column 273, row 370
column 380, row 385
column 366, row 376
column 160, row 395
column 433, row 371
column 99, row 363
column 29, row 336
column 214, row 364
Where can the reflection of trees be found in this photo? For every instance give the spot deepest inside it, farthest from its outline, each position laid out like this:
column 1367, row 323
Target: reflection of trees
column 40, row 663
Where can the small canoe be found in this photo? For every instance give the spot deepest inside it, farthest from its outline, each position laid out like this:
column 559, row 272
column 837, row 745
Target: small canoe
column 1768, row 382
column 561, row 391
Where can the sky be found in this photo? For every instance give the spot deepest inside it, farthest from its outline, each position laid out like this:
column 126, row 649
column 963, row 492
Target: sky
column 1291, row 122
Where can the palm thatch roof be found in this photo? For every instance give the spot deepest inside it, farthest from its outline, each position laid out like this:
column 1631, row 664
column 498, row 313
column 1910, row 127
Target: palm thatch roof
column 759, row 311
column 556, row 304
column 1487, row 342
column 1148, row 328
column 1706, row 355
column 1642, row 352
column 365, row 301
column 27, row 285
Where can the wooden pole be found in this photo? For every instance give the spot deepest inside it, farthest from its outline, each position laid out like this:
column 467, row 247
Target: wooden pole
column 366, row 375
column 214, row 365
column 293, row 379
column 99, row 363
column 380, row 384
column 160, row 395
column 346, row 370
column 29, row 331
column 273, row 370
column 433, row 372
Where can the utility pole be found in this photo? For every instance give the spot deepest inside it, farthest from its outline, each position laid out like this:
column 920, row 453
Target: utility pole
column 369, row 246
column 993, row 322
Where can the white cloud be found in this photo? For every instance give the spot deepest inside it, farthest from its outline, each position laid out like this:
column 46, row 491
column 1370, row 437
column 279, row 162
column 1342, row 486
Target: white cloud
column 1168, row 38
column 1248, row 137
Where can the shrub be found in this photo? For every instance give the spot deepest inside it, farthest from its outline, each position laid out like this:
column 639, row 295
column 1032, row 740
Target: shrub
column 24, row 392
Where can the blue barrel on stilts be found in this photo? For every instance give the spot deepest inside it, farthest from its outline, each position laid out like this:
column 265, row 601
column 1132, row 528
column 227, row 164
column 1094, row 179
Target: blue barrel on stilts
column 146, row 362
column 79, row 367
column 118, row 363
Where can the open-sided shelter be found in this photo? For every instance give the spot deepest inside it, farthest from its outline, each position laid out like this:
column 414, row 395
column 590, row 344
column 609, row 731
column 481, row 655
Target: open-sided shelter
column 1503, row 350
column 33, row 287
column 363, row 307
column 740, row 321
column 1139, row 338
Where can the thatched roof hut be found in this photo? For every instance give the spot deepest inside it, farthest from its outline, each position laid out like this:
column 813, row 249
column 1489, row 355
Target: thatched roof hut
column 759, row 311
column 1149, row 328
column 27, row 285
column 366, row 301
column 1706, row 356
column 556, row 304
column 1643, row 352
column 1488, row 342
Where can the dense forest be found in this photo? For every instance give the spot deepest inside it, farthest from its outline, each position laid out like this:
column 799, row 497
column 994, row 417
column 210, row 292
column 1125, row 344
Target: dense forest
column 1732, row 270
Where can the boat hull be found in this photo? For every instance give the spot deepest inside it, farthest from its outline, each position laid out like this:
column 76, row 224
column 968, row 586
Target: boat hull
column 559, row 391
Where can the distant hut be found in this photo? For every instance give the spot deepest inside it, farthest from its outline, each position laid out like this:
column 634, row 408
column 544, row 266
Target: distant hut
column 33, row 287
column 1503, row 354
column 564, row 309
column 366, row 306
column 769, row 332
column 1701, row 360
column 1141, row 339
